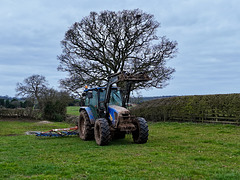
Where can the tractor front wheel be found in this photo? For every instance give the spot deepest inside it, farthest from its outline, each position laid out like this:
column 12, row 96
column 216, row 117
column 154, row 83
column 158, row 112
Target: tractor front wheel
column 140, row 135
column 102, row 132
column 85, row 128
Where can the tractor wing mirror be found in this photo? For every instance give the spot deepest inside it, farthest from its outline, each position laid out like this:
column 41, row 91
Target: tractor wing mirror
column 82, row 102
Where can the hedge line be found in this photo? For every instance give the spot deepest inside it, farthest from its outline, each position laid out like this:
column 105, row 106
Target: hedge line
column 20, row 113
column 221, row 108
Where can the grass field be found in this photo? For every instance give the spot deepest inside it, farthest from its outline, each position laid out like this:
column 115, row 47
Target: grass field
column 174, row 151
column 73, row 110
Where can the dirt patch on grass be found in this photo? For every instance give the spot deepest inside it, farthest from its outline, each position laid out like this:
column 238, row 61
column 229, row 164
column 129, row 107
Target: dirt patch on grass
column 44, row 122
column 32, row 132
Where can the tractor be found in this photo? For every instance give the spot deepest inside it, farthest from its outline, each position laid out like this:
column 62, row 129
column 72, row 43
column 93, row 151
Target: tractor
column 104, row 113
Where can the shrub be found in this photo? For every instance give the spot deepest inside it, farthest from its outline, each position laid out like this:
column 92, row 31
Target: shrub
column 54, row 105
column 55, row 110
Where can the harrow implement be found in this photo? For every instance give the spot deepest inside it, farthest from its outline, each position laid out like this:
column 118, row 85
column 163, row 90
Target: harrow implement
column 59, row 132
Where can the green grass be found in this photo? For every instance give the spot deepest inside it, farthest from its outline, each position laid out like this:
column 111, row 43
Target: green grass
column 73, row 110
column 174, row 151
column 13, row 128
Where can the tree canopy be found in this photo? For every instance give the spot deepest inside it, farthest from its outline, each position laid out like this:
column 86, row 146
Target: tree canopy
column 109, row 42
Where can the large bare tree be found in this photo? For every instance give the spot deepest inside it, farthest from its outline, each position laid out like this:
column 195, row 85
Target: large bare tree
column 109, row 42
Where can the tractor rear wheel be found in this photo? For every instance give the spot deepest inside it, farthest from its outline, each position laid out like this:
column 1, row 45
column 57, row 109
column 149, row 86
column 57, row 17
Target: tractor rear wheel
column 140, row 135
column 85, row 128
column 102, row 132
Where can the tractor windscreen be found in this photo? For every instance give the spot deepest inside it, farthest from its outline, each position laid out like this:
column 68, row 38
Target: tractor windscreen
column 115, row 97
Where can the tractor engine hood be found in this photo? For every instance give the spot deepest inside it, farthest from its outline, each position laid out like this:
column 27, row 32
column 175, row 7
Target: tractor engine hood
column 121, row 118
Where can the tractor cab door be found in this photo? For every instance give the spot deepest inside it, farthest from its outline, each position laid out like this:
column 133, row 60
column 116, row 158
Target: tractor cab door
column 115, row 99
column 92, row 102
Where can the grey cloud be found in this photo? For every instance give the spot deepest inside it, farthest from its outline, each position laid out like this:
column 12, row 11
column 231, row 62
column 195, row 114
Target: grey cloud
column 207, row 33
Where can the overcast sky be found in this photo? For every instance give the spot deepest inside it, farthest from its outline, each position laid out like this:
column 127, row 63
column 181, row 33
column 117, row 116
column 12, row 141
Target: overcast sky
column 207, row 32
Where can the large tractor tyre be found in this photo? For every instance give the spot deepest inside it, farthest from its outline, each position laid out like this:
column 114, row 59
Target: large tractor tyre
column 102, row 132
column 140, row 135
column 85, row 128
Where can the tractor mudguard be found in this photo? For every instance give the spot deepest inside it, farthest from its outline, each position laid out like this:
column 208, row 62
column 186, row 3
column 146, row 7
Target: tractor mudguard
column 89, row 112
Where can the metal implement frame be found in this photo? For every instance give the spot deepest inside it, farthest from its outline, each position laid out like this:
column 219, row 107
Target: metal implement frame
column 59, row 132
column 129, row 80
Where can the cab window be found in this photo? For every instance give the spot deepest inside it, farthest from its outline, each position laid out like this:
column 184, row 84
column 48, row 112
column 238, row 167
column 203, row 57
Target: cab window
column 115, row 97
column 93, row 101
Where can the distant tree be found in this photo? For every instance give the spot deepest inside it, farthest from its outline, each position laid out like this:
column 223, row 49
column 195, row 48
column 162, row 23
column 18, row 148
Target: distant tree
column 28, row 103
column 7, row 104
column 109, row 42
column 22, row 105
column 52, row 103
column 2, row 102
column 14, row 103
column 32, row 87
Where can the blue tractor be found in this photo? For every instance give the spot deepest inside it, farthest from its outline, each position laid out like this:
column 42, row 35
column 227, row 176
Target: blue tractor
column 104, row 114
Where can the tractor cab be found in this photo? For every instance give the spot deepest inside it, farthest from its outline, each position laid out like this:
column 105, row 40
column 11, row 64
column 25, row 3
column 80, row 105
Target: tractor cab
column 94, row 98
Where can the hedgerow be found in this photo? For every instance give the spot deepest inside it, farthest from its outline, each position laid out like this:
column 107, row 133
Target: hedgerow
column 20, row 113
column 223, row 108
